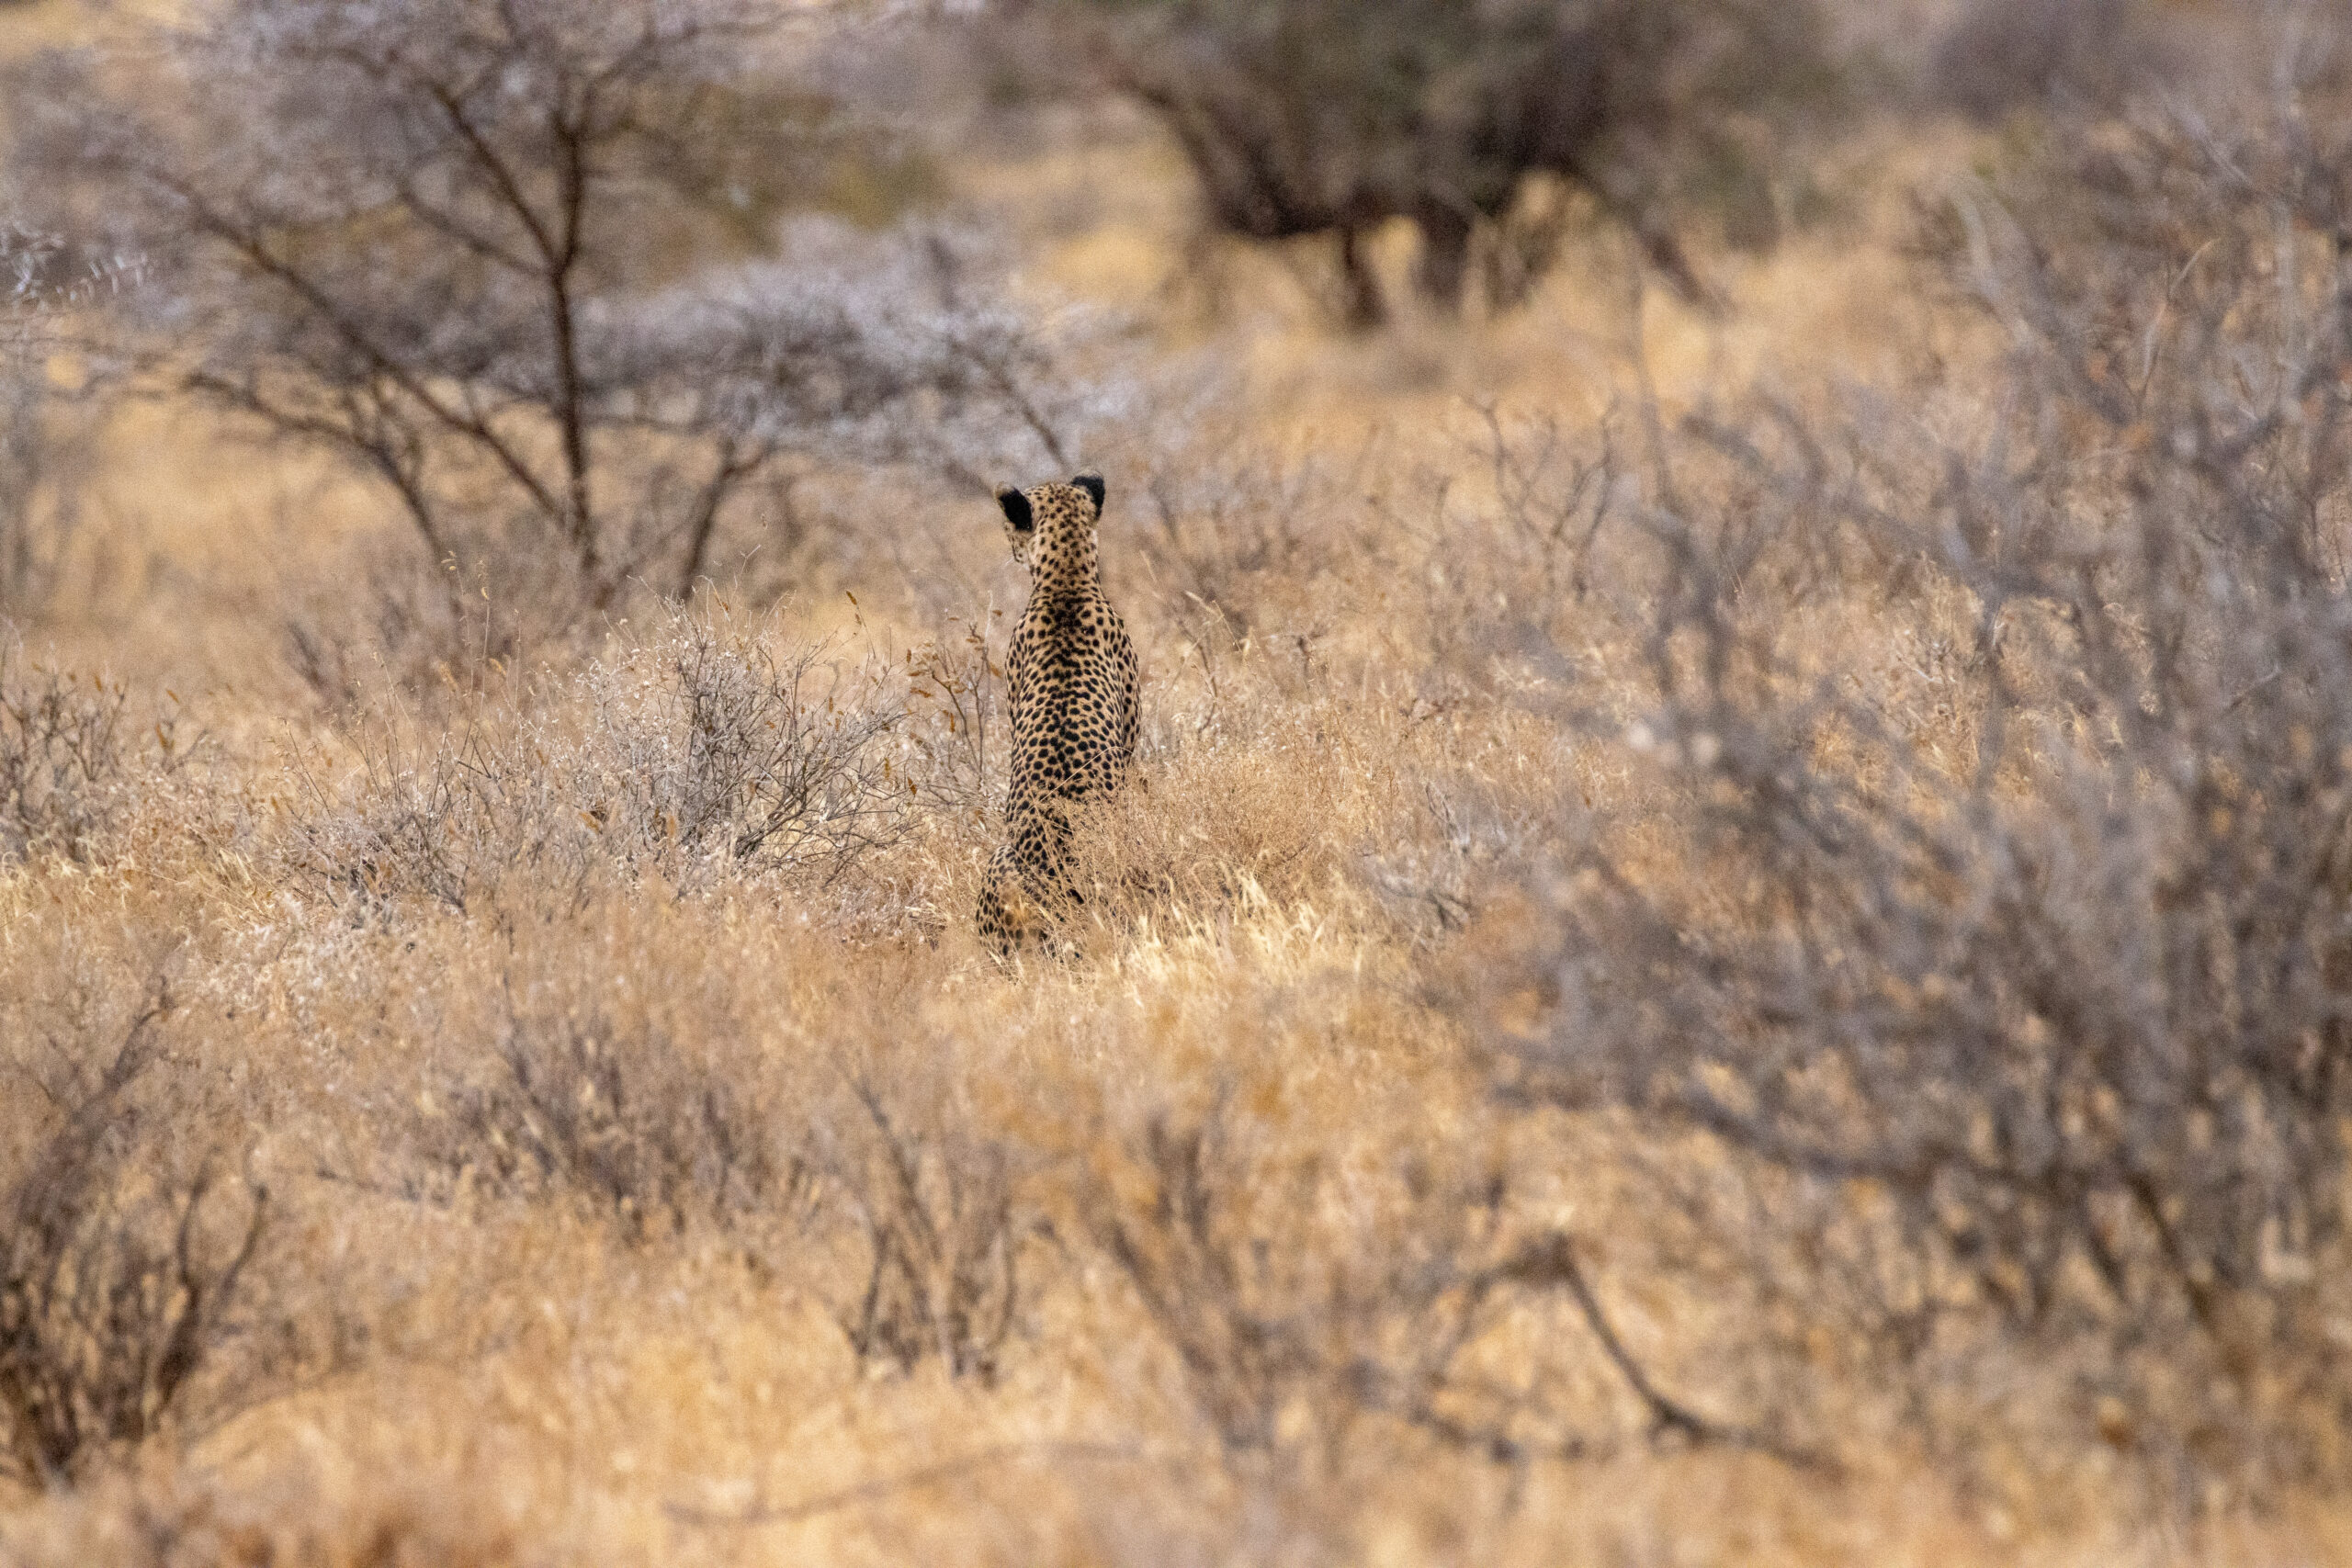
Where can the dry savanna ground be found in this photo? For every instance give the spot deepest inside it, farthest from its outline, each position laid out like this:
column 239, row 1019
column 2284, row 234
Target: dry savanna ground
column 545, row 1101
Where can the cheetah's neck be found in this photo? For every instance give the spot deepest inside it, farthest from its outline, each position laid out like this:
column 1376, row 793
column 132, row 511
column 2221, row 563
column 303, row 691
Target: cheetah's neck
column 1067, row 565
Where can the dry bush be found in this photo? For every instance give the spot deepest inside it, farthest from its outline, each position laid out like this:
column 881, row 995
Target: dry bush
column 1319, row 1287
column 1999, row 55
column 1434, row 568
column 1236, row 537
column 374, row 619
column 1516, row 547
column 609, row 1060
column 1551, row 504
column 1997, row 931
column 955, row 691
column 698, row 755
column 619, row 1115
column 687, row 1099
column 1281, row 1344
column 76, row 761
column 119, row 1267
column 945, row 1223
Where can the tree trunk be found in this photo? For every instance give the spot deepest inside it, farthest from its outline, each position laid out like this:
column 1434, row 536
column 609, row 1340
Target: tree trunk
column 1443, row 269
column 1362, row 304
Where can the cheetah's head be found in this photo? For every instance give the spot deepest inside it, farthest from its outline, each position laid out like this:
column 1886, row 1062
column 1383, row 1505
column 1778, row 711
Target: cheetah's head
column 1053, row 522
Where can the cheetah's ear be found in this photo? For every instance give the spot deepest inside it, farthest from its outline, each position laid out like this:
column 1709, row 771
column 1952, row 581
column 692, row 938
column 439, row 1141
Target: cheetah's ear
column 1092, row 485
column 1016, row 509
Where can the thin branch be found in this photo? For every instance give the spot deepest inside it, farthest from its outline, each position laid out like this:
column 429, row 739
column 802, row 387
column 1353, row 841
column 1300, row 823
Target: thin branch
column 914, row 1480
column 1550, row 1260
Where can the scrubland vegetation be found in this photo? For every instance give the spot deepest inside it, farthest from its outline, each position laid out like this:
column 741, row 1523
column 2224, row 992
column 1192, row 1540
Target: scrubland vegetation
column 1733, row 941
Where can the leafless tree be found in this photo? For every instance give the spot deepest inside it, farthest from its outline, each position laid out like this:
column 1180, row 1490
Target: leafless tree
column 2000, row 54
column 455, row 243
column 1315, row 118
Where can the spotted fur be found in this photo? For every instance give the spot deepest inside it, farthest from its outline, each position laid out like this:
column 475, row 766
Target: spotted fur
column 1073, row 674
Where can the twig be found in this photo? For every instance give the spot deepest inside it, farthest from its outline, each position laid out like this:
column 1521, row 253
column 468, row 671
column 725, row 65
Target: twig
column 1550, row 1260
column 885, row 1486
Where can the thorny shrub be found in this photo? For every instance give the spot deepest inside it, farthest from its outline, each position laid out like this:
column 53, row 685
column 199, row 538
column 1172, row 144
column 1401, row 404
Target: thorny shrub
column 618, row 1112
column 1229, row 536
column 698, row 754
column 2010, row 961
column 75, row 758
column 1507, row 543
column 614, row 1059
column 944, row 1221
column 118, row 1272
column 1302, row 1290
column 957, row 687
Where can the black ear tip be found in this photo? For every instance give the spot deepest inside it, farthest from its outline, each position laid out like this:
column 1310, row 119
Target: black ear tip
column 1016, row 507
column 1092, row 485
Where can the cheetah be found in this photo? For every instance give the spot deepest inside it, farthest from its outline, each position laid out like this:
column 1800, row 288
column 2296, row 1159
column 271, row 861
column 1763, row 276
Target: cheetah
column 1073, row 675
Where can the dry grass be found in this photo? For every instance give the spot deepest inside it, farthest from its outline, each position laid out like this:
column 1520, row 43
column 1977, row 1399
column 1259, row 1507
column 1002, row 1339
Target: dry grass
column 658, row 1169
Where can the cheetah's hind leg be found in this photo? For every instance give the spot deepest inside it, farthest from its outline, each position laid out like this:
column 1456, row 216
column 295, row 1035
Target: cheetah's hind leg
column 1010, row 919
